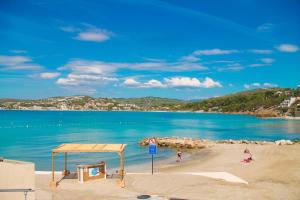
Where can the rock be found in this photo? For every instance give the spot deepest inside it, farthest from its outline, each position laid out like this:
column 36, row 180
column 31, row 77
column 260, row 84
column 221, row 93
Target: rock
column 192, row 143
column 283, row 142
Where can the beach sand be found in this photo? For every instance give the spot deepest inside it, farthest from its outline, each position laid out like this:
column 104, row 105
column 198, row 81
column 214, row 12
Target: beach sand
column 274, row 174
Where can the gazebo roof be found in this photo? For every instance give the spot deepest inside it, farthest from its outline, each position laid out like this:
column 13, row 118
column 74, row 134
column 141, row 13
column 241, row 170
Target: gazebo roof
column 77, row 148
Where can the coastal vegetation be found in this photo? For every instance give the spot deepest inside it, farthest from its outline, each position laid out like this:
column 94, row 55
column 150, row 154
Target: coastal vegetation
column 260, row 102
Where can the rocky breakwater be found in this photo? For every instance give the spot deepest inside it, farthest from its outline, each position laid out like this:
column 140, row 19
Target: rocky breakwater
column 193, row 143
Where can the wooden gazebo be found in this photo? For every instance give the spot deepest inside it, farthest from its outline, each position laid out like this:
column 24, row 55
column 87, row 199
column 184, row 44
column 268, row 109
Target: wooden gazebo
column 87, row 148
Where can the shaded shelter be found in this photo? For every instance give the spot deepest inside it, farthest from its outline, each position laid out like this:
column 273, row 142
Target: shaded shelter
column 87, row 148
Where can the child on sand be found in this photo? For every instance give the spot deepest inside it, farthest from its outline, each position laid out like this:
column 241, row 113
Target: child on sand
column 179, row 156
column 247, row 156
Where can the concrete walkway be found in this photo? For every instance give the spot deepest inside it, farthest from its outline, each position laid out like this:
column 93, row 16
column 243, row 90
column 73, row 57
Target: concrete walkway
column 215, row 175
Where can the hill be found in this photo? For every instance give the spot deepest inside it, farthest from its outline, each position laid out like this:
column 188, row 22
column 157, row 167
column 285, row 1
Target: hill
column 260, row 102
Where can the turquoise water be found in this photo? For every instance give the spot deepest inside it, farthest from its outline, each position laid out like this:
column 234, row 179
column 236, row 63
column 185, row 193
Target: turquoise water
column 30, row 135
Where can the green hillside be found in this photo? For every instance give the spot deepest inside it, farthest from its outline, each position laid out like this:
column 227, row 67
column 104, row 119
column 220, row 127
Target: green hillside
column 248, row 101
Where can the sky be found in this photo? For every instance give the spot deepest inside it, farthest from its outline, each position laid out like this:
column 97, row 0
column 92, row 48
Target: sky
column 131, row 48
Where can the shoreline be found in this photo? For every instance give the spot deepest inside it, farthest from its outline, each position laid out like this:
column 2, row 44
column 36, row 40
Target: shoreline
column 158, row 111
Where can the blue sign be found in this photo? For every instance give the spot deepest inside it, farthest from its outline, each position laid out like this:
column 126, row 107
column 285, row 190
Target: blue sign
column 152, row 149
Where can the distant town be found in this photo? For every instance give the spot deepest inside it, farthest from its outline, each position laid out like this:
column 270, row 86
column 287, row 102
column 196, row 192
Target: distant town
column 275, row 102
column 89, row 103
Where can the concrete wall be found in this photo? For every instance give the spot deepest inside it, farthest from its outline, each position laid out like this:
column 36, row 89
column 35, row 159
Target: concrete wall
column 17, row 175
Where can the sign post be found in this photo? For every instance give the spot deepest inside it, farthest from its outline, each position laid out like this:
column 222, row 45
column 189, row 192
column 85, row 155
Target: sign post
column 152, row 149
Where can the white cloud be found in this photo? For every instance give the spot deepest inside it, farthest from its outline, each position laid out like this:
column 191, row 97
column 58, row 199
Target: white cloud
column 67, row 82
column 94, row 35
column 261, row 51
column 153, row 59
column 90, row 67
column 267, row 60
column 182, row 82
column 174, row 82
column 93, row 72
column 257, row 65
column 270, row 85
column 289, row 48
column 17, row 51
column 131, row 82
column 260, row 85
column 89, row 33
column 100, row 67
column 265, row 27
column 8, row 63
column 231, row 67
column 84, row 79
column 191, row 82
column 190, row 58
column 247, row 86
column 49, row 75
column 256, row 84
column 210, row 83
column 154, row 84
column 215, row 52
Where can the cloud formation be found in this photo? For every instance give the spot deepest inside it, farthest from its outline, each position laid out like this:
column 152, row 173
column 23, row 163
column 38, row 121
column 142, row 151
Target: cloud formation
column 131, row 82
column 94, row 35
column 267, row 60
column 288, row 48
column 208, row 52
column 190, row 58
column 174, row 82
column 260, row 85
column 49, row 75
column 261, row 51
column 9, row 63
column 101, row 67
column 84, row 79
column 89, row 33
column 232, row 67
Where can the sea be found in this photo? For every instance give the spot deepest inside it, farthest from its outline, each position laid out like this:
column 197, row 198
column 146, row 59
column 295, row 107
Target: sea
column 31, row 135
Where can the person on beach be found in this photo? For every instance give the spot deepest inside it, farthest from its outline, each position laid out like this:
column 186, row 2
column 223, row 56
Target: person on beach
column 179, row 156
column 247, row 156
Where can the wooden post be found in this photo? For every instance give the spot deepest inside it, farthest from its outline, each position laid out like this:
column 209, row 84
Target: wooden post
column 122, row 165
column 66, row 171
column 53, row 154
column 65, row 161
column 122, row 183
column 53, row 183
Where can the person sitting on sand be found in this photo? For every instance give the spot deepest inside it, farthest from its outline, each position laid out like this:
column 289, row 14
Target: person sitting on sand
column 179, row 156
column 247, row 156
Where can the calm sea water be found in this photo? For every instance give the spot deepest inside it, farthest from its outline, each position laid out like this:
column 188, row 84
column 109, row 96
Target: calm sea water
column 30, row 135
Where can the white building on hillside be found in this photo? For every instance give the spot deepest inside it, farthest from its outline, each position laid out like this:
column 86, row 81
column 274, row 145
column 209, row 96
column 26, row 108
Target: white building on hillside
column 288, row 102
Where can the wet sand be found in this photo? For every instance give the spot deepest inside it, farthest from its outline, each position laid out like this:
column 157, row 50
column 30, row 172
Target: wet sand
column 274, row 174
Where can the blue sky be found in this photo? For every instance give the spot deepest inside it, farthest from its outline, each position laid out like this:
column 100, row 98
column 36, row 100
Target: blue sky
column 132, row 48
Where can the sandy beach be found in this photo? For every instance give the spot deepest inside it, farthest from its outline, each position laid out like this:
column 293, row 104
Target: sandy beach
column 274, row 174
